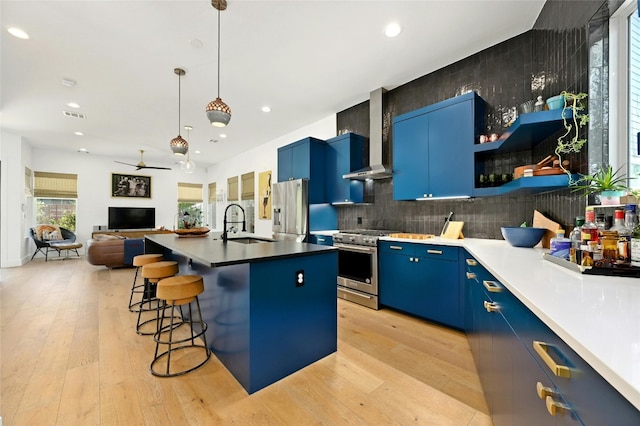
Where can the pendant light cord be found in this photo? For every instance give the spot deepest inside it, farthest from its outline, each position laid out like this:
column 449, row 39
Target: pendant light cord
column 218, row 52
column 179, row 97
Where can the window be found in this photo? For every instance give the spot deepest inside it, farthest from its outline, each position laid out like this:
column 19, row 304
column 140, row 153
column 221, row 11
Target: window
column 634, row 97
column 212, row 205
column 189, row 205
column 247, row 196
column 56, row 195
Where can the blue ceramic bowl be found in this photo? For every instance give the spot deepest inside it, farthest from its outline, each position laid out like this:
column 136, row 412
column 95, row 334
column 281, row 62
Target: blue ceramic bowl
column 555, row 102
column 518, row 236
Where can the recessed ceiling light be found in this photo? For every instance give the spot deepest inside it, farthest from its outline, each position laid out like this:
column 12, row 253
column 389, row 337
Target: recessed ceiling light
column 83, row 150
column 223, row 135
column 392, row 29
column 73, row 105
column 78, row 133
column 17, row 32
column 187, row 127
column 266, row 109
column 196, row 152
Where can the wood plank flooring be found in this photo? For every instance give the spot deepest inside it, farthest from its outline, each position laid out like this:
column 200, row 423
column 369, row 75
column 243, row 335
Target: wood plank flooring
column 70, row 356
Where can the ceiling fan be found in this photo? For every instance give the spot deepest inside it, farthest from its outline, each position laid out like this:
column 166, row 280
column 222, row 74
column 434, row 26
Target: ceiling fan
column 142, row 165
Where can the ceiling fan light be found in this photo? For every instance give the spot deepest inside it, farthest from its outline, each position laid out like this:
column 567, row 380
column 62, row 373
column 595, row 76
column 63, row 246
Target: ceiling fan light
column 218, row 113
column 179, row 146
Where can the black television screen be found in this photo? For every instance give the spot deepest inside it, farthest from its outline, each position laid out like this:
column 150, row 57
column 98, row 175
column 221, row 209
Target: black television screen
column 121, row 218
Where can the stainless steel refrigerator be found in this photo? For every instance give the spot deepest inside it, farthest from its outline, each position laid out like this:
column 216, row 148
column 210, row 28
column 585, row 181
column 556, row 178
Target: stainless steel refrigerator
column 290, row 205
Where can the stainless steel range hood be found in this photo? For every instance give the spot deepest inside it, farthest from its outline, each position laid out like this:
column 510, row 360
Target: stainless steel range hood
column 376, row 169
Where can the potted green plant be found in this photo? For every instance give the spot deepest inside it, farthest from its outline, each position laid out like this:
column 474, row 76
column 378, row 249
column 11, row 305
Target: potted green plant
column 574, row 118
column 610, row 185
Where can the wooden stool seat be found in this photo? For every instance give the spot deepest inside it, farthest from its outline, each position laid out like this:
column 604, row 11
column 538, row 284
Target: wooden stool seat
column 180, row 290
column 139, row 261
column 152, row 274
column 192, row 343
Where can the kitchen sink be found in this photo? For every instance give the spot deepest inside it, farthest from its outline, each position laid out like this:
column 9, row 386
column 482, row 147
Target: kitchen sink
column 248, row 240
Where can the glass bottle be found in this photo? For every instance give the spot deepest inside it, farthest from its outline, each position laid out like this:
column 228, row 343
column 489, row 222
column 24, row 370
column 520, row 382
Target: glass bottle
column 576, row 240
column 600, row 223
column 624, row 237
column 589, row 227
column 630, row 216
column 635, row 246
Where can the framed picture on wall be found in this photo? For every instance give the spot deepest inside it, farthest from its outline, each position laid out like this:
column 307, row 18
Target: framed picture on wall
column 130, row 186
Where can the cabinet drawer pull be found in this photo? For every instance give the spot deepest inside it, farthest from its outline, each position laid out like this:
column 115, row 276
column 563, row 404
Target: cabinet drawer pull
column 557, row 369
column 472, row 262
column 544, row 391
column 322, row 240
column 395, row 247
column 471, row 275
column 364, row 296
column 491, row 306
column 411, row 259
column 492, row 286
column 554, row 407
column 434, row 251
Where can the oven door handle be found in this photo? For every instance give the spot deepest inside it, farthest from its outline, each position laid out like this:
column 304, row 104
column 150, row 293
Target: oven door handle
column 346, row 290
column 356, row 248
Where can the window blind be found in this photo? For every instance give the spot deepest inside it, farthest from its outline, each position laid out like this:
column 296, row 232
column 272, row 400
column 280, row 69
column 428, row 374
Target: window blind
column 232, row 188
column 28, row 182
column 189, row 192
column 212, row 192
column 55, row 185
column 248, row 184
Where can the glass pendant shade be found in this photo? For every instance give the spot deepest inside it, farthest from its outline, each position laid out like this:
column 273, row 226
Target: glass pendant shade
column 188, row 166
column 218, row 113
column 179, row 146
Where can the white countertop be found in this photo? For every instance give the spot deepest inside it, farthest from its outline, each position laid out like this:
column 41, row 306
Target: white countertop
column 597, row 316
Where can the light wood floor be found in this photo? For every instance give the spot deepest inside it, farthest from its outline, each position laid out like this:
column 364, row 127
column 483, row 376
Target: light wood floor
column 70, row 356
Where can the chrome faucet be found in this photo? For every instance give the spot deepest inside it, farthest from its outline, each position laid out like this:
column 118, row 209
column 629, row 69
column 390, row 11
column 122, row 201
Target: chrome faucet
column 224, row 222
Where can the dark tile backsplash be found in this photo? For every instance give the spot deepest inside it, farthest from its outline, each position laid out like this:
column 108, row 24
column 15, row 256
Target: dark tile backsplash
column 552, row 57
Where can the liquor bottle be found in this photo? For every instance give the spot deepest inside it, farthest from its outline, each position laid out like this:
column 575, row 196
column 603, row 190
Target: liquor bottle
column 635, row 246
column 589, row 227
column 575, row 255
column 624, row 237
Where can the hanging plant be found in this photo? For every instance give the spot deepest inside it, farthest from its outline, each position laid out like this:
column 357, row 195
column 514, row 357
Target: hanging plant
column 574, row 117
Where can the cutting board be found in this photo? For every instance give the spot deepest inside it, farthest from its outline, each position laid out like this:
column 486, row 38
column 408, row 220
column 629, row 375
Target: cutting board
column 541, row 221
column 453, row 231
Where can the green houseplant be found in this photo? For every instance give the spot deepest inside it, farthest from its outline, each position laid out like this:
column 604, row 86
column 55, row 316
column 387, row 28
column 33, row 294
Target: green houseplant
column 604, row 181
column 574, row 118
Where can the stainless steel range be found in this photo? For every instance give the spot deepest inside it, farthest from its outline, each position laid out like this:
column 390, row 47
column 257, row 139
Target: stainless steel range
column 358, row 265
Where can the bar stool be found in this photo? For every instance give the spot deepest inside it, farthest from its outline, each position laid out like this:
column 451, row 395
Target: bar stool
column 152, row 273
column 139, row 261
column 176, row 292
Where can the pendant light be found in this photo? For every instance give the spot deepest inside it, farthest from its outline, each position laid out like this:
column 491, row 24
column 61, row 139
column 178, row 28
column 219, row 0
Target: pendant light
column 178, row 145
column 218, row 112
column 188, row 166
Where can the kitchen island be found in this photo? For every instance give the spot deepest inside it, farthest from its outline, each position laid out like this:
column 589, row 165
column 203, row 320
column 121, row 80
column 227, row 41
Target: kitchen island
column 270, row 307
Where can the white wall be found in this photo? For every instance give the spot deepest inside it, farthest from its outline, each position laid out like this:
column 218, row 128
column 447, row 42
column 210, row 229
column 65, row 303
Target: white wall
column 94, row 186
column 261, row 159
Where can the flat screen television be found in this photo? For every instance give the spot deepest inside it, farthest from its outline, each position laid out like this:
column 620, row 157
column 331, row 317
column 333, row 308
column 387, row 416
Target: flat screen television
column 121, row 218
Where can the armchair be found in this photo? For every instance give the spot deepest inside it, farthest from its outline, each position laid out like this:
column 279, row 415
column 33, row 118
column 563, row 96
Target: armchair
column 43, row 245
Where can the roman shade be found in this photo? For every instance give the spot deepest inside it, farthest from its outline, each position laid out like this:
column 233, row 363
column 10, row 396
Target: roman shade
column 189, row 192
column 55, row 185
column 28, row 182
column 232, row 188
column 248, row 184
column 212, row 192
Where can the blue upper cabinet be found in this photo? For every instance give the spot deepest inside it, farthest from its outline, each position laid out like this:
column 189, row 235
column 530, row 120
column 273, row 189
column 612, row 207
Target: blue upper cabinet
column 344, row 155
column 305, row 159
column 432, row 149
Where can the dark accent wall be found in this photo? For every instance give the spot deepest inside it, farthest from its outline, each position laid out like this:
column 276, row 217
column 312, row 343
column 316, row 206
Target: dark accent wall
column 550, row 58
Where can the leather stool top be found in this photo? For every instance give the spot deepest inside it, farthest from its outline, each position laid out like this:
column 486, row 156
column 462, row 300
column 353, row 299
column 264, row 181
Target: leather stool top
column 180, row 289
column 144, row 259
column 158, row 270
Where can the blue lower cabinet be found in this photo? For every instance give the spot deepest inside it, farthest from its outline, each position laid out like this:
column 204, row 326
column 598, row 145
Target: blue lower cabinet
column 529, row 374
column 323, row 240
column 422, row 280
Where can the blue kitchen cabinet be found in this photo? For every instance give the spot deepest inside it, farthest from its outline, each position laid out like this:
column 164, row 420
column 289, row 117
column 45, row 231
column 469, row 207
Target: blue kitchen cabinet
column 517, row 354
column 432, row 154
column 344, row 155
column 323, row 240
column 305, row 159
column 422, row 280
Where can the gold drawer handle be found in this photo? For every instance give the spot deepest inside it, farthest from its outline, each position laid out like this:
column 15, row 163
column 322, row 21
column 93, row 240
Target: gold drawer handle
column 471, row 275
column 472, row 262
column 491, row 306
column 434, row 251
column 544, row 391
column 554, row 407
column 395, row 247
column 492, row 286
column 557, row 369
